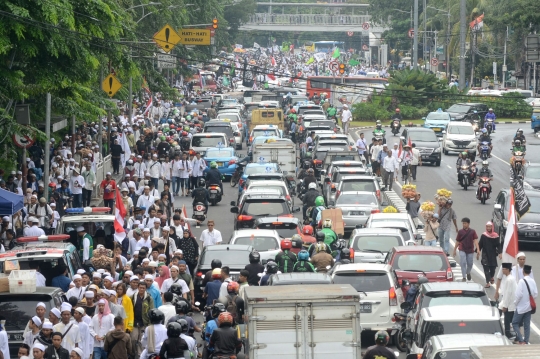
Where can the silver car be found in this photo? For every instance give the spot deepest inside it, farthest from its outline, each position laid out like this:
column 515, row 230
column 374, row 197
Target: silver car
column 403, row 218
column 371, row 245
column 357, row 207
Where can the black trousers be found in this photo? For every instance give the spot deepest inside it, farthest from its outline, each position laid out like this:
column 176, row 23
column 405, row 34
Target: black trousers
column 489, row 272
column 86, row 197
column 116, row 164
column 413, row 171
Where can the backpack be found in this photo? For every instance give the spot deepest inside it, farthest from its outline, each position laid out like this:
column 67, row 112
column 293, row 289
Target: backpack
column 285, row 262
column 231, row 306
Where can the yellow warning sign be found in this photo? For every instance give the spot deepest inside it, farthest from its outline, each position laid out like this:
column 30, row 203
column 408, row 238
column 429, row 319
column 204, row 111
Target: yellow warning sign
column 195, row 37
column 111, row 85
column 166, row 38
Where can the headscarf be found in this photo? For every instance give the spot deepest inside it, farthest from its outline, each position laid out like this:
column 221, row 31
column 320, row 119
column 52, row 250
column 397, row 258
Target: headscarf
column 106, row 310
column 166, row 275
column 492, row 233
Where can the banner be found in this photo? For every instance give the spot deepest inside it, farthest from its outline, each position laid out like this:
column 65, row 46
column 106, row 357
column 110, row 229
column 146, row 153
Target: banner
column 522, row 201
column 319, row 56
column 510, row 247
column 276, row 48
column 255, row 45
column 311, row 60
column 238, row 46
column 354, row 62
column 477, row 23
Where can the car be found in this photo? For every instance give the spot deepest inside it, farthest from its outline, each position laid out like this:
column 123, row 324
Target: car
column 234, row 256
column 458, row 345
column 356, row 207
column 460, row 111
column 360, row 183
column 328, row 136
column 257, row 206
column 396, row 220
column 437, row 121
column 337, row 156
column 17, row 309
column 256, row 168
column 426, row 142
column 259, row 191
column 201, row 142
column 301, row 109
column 331, row 124
column 278, row 185
column 371, row 245
column 265, row 241
column 225, row 127
column 531, row 176
column 225, row 157
column 459, row 137
column 266, row 131
column 380, row 295
column 308, row 118
column 286, row 228
column 528, row 224
column 409, row 262
column 92, row 219
column 319, row 153
column 331, row 181
column 297, row 278
column 227, row 102
column 434, row 294
column 258, row 140
column 447, row 319
column 226, row 115
column 250, row 106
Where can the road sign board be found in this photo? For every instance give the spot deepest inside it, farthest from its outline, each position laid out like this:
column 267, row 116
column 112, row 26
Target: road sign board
column 23, row 141
column 365, row 26
column 365, row 47
column 212, row 32
column 495, row 68
column 195, row 37
column 166, row 61
column 333, row 66
column 166, row 38
column 350, row 33
column 434, row 62
column 111, row 85
column 410, row 33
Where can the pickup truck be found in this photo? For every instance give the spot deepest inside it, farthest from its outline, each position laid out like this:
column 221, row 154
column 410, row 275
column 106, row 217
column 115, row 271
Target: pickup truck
column 281, row 152
column 293, row 322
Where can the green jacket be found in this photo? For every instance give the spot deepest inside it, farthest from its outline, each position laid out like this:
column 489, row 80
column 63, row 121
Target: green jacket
column 304, row 266
column 147, row 306
column 331, row 111
column 286, row 260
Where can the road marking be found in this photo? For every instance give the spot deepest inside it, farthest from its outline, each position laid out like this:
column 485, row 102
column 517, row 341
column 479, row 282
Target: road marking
column 449, row 166
column 500, row 159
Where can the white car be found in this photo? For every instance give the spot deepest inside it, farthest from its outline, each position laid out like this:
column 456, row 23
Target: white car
column 264, row 241
column 380, row 294
column 277, row 185
column 458, row 137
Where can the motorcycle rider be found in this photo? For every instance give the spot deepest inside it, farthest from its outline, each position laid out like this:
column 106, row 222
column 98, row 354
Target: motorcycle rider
column 319, row 244
column 484, row 172
column 463, row 160
column 201, row 195
column 213, row 176
column 310, row 178
column 303, row 173
column 174, row 346
column 484, row 137
column 520, row 136
column 271, row 268
column 254, row 268
column 309, row 197
column 225, row 339
column 518, row 147
column 490, row 115
column 344, row 258
column 322, row 260
column 303, row 264
column 157, row 330
column 286, row 259
column 379, row 350
column 316, row 213
column 410, row 297
column 331, row 238
column 331, row 112
column 212, row 325
column 379, row 131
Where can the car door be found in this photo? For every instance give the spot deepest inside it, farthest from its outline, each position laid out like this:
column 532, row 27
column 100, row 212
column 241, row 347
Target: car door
column 498, row 215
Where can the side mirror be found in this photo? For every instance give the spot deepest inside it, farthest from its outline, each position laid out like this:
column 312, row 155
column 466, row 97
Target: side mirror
column 234, row 209
column 498, row 207
column 233, row 203
column 351, row 144
column 405, row 305
column 405, row 283
column 296, row 209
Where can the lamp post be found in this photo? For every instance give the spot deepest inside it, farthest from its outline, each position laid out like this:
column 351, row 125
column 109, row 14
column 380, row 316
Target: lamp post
column 407, row 12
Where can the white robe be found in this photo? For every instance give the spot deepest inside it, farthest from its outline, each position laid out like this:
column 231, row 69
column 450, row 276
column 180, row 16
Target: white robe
column 71, row 338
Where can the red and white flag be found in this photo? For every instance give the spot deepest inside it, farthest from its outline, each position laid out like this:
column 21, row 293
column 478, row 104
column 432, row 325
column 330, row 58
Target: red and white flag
column 119, row 215
column 273, row 61
column 510, row 247
column 149, row 104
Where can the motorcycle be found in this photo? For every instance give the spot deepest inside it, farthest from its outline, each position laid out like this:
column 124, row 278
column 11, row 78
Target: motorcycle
column 484, row 150
column 396, row 126
column 483, row 189
column 518, row 160
column 465, row 176
column 291, row 183
column 215, row 194
column 301, row 188
column 379, row 136
column 489, row 126
column 235, row 178
column 400, row 324
column 199, row 211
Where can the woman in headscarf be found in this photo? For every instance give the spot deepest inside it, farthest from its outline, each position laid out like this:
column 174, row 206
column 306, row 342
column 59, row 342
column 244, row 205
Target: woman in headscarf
column 164, row 273
column 190, row 248
column 490, row 246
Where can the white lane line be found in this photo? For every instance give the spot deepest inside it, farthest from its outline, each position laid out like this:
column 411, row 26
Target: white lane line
column 500, row 159
column 449, row 166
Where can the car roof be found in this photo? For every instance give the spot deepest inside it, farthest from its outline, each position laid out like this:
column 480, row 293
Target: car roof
column 262, row 196
column 390, row 216
column 464, row 341
column 357, row 192
column 389, row 224
column 419, row 129
column 258, row 232
column 460, row 123
column 345, row 162
column 465, row 312
column 446, row 286
column 470, row 103
column 354, row 177
column 418, row 249
column 270, row 191
column 269, row 183
column 35, row 252
column 377, row 231
column 301, row 277
column 351, row 267
column 257, row 164
column 39, row 290
column 229, row 247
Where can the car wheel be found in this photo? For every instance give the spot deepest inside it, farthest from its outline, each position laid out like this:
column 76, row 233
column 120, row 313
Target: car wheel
column 438, row 164
column 445, row 152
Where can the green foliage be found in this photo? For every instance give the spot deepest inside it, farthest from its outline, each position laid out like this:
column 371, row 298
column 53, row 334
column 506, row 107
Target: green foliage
column 509, row 105
column 415, row 87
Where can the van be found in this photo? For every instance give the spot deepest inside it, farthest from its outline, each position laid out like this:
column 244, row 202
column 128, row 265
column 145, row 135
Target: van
column 459, row 137
column 270, row 116
column 201, row 142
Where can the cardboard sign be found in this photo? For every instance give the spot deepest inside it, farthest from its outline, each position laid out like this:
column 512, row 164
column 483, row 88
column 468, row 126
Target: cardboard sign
column 10, row 265
column 336, row 215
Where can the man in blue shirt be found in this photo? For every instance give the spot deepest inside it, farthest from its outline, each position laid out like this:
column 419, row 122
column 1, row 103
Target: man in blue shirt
column 211, row 290
column 61, row 281
column 153, row 291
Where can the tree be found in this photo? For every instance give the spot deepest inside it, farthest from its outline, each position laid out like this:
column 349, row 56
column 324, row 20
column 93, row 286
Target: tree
column 237, row 14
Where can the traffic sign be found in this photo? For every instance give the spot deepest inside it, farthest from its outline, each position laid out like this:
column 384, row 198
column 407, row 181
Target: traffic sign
column 111, row 85
column 333, row 66
column 23, row 141
column 410, row 33
column 434, row 62
column 166, row 61
column 350, row 33
column 365, row 47
column 365, row 26
column 166, row 38
column 195, row 37
column 212, row 32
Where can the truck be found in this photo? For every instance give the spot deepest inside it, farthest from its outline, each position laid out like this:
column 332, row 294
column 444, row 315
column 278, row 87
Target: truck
column 266, row 116
column 282, row 152
column 506, row 352
column 302, row 322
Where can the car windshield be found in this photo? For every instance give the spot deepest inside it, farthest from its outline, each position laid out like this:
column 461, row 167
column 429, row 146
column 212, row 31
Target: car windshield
column 251, row 107
column 434, row 116
column 90, row 227
column 258, row 243
column 207, row 141
column 425, row 262
column 378, row 243
column 353, row 170
column 365, row 199
column 227, row 258
column 532, row 172
column 535, row 204
column 323, row 123
column 423, row 136
column 219, row 129
column 448, row 298
column 229, row 116
column 358, row 185
column 261, row 186
column 453, row 354
column 217, row 153
column 285, row 230
column 18, row 309
column 459, row 108
column 432, row 328
column 265, row 209
column 460, row 130
column 258, row 169
column 364, row 282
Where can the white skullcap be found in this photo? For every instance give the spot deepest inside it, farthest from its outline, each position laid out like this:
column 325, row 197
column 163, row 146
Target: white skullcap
column 166, row 228
column 129, row 273
column 80, row 310
column 80, row 229
column 133, row 277
column 146, row 260
column 47, row 325
column 56, row 312
column 102, row 301
column 89, row 294
column 36, row 320
column 66, row 307
column 41, row 304
column 81, row 271
column 109, row 278
column 108, row 174
column 39, row 345
column 157, row 220
column 152, row 264
column 149, row 276
column 101, row 270
column 79, row 352
column 105, row 291
column 146, row 230
column 162, row 255
column 178, row 251
column 52, row 204
column 77, row 276
column 175, row 267
column 96, row 275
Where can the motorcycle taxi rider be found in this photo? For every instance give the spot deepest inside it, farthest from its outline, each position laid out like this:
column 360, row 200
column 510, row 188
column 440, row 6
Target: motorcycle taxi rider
column 201, row 194
column 484, row 137
column 484, row 172
column 213, row 176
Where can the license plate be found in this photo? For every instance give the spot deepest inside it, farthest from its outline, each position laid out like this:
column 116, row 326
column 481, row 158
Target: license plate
column 220, row 164
column 436, row 129
column 461, row 146
column 213, row 191
column 365, row 308
column 425, row 157
column 17, row 337
column 356, row 213
column 199, row 213
column 532, row 234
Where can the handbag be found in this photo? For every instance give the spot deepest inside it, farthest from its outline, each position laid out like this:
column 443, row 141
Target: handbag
column 531, row 299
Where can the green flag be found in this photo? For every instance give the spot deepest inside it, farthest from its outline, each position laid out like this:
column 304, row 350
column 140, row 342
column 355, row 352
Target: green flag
column 354, row 62
column 233, row 68
column 311, row 59
column 336, row 53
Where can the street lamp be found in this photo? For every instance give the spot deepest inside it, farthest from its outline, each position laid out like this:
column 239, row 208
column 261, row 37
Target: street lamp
column 447, row 42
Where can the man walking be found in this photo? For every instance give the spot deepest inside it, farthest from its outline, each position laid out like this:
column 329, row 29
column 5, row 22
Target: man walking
column 467, row 242
column 390, row 166
column 361, row 146
column 210, row 236
column 526, row 289
column 346, row 117
column 508, row 294
column 118, row 342
column 380, row 159
column 416, row 161
column 446, row 216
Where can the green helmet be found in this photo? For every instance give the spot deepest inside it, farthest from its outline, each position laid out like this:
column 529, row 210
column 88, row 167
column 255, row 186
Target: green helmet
column 186, row 128
column 162, row 138
column 319, row 201
column 464, row 153
column 188, row 117
column 213, row 164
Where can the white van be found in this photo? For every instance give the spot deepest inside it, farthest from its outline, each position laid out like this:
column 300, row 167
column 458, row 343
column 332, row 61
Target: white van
column 458, row 137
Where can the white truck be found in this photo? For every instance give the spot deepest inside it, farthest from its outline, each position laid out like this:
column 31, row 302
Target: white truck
column 302, row 322
column 282, row 152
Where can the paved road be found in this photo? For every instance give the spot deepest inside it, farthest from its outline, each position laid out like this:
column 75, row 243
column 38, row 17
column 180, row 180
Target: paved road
column 465, row 203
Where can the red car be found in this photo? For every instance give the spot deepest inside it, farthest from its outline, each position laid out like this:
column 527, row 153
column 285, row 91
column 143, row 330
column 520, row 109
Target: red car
column 412, row 262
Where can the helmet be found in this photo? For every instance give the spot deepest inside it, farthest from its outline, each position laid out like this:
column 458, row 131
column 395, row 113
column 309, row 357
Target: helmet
column 320, row 236
column 174, row 330
column 422, row 280
column 186, row 128
column 233, row 287
column 217, row 309
column 319, row 201
column 378, row 122
column 254, row 257
column 520, row 131
column 485, row 164
column 382, row 337
column 202, row 182
column 168, row 138
column 213, row 164
column 286, row 243
column 320, row 247
column 397, row 110
column 310, row 171
column 345, row 253
column 176, row 288
column 312, row 185
column 225, row 318
column 156, row 316
column 327, row 223
column 464, row 153
column 182, row 307
column 162, row 137
column 484, row 131
column 216, row 263
column 52, row 185
column 184, row 325
column 272, row 268
column 184, row 133
column 172, row 126
column 490, row 109
column 307, row 230
column 517, row 143
column 303, row 255
column 307, row 165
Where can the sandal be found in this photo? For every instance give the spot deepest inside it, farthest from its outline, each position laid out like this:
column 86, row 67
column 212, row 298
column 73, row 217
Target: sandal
column 487, row 285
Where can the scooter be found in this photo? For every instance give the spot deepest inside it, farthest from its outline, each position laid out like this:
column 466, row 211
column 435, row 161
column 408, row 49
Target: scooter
column 483, row 189
column 517, row 161
column 400, row 324
column 199, row 211
column 215, row 194
column 396, row 126
column 465, row 175
column 484, row 150
column 489, row 126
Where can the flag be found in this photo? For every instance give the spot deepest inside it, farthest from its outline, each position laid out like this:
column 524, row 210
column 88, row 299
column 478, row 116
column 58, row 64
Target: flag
column 125, row 147
column 255, row 45
column 520, row 197
column 273, row 61
column 354, row 62
column 148, row 105
column 271, row 77
column 185, row 216
column 201, row 80
column 510, row 247
column 233, row 68
column 477, row 23
column 119, row 215
column 319, row 56
column 409, row 142
column 145, row 85
column 400, row 149
column 311, row 60
column 336, row 53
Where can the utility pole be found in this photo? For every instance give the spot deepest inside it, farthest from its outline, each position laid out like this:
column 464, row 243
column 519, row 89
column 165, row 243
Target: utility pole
column 504, row 60
column 473, row 52
column 130, row 103
column 462, row 36
column 73, row 149
column 47, row 146
column 436, row 55
column 415, row 38
column 424, row 41
column 448, row 33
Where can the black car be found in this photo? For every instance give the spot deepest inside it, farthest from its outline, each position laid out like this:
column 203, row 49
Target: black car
column 18, row 308
column 321, row 148
column 528, row 225
column 256, row 206
column 460, row 111
column 426, row 142
column 532, row 175
column 234, row 256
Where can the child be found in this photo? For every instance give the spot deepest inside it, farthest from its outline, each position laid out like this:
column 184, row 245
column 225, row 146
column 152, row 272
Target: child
column 33, row 324
column 55, row 217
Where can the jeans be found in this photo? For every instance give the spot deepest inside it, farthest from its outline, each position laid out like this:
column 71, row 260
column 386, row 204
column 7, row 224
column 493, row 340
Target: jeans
column 86, row 197
column 388, row 179
column 175, row 185
column 520, row 318
column 466, row 263
column 99, row 353
column 77, row 200
column 432, row 243
column 184, row 183
column 156, row 181
column 444, row 236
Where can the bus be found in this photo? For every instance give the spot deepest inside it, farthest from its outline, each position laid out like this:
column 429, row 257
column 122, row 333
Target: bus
column 309, row 46
column 320, row 84
column 327, row 46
